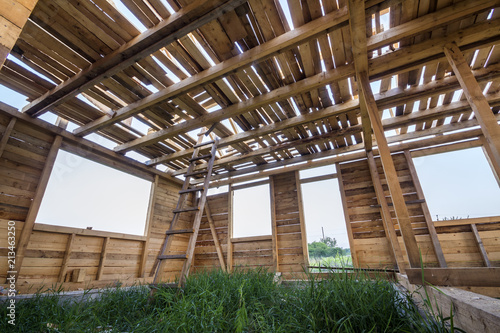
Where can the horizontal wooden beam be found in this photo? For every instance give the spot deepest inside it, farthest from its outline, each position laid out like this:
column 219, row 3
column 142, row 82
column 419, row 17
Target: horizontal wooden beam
column 457, row 222
column 84, row 145
column 251, row 239
column 179, row 24
column 86, row 232
column 254, row 55
column 457, row 277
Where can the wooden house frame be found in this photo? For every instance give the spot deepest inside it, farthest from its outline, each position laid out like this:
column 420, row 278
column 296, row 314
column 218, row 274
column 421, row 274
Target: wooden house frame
column 279, row 99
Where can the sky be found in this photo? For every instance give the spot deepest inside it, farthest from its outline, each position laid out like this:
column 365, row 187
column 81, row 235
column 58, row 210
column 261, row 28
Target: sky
column 83, row 194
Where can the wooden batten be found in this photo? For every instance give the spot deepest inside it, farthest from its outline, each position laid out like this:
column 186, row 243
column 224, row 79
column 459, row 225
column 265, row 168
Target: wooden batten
column 274, row 230
column 218, row 248
column 229, row 244
column 390, row 232
column 67, row 256
column 480, row 245
column 495, row 166
column 102, row 258
column 147, row 229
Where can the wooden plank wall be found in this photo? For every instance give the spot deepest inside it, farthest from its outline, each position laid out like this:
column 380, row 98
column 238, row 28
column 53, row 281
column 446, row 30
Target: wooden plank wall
column 165, row 202
column 55, row 254
column 13, row 17
column 370, row 245
column 289, row 221
column 205, row 254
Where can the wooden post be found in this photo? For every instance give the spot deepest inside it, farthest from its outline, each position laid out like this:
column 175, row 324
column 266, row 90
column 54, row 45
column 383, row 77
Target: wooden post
column 274, row 229
column 354, row 256
column 303, row 233
column 35, row 204
column 147, row 229
column 480, row 245
column 218, row 248
column 102, row 259
column 427, row 214
column 390, row 172
column 230, row 229
column 67, row 256
column 390, row 232
column 6, row 135
column 495, row 166
column 479, row 104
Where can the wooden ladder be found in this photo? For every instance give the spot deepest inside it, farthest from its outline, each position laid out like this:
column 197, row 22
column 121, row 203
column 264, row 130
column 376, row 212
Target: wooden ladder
column 186, row 189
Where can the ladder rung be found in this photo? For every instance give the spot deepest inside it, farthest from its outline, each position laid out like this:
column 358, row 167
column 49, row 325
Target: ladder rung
column 187, row 209
column 172, row 256
column 200, row 172
column 180, row 231
column 189, row 190
column 203, row 144
column 200, row 157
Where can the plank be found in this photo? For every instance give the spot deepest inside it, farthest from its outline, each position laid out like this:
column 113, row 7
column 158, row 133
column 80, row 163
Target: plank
column 477, row 277
column 477, row 101
column 480, row 245
column 102, row 258
column 390, row 171
column 6, row 135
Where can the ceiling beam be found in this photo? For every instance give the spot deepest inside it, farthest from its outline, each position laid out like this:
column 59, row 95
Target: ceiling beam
column 386, row 100
column 179, row 24
column 261, row 52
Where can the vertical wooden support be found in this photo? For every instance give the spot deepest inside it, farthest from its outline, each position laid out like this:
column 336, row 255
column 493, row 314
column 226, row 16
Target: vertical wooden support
column 230, row 229
column 6, row 135
column 480, row 245
column 147, row 228
column 274, row 229
column 478, row 103
column 427, row 214
column 218, row 248
column 102, row 259
column 495, row 166
column 35, row 204
column 67, row 256
column 390, row 232
column 13, row 17
column 354, row 255
column 303, row 232
column 390, row 172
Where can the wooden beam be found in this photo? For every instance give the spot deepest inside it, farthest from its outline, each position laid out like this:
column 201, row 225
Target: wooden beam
column 251, row 239
column 6, row 135
column 102, row 258
column 259, row 53
column 302, row 219
column 457, row 277
column 67, row 256
column 488, row 153
column 29, row 223
column 85, row 232
column 436, row 245
column 479, row 241
column 429, row 22
column 147, row 229
column 477, row 220
column 86, row 148
column 218, row 248
column 179, row 24
column 350, row 236
column 477, row 101
column 274, row 227
column 357, row 24
column 276, row 95
column 390, row 172
column 390, row 232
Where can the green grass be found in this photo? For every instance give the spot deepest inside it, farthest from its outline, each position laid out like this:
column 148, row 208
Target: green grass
column 337, row 261
column 244, row 301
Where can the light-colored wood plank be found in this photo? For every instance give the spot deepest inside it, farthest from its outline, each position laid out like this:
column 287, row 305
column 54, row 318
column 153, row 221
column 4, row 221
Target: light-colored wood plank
column 215, row 237
column 6, row 135
column 480, row 245
column 102, row 258
column 303, row 233
column 67, row 256
column 477, row 101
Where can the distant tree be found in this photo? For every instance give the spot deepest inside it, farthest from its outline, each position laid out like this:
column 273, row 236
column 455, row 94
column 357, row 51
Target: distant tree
column 326, row 247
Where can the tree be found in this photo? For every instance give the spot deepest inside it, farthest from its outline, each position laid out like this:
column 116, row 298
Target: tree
column 326, row 247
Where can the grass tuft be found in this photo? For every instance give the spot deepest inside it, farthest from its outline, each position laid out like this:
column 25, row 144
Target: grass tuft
column 243, row 301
